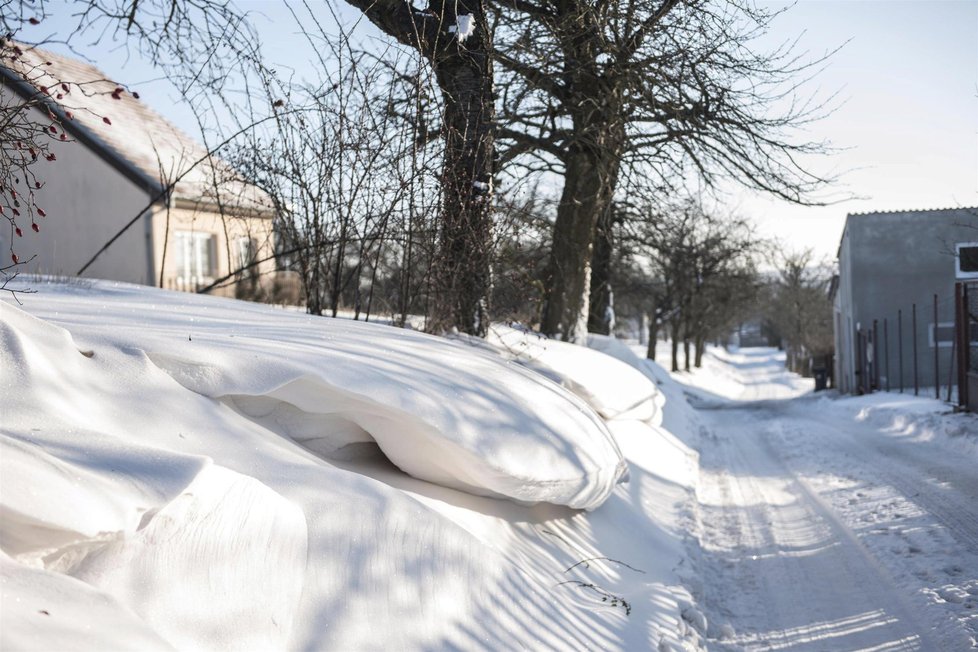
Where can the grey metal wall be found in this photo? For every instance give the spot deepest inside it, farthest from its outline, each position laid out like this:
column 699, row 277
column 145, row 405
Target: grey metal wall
column 887, row 263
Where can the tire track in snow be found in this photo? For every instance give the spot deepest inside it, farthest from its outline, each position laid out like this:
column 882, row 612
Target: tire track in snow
column 922, row 501
column 783, row 567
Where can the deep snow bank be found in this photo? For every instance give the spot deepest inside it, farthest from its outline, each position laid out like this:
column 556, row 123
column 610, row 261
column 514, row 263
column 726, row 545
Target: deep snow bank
column 443, row 412
column 252, row 517
column 614, row 389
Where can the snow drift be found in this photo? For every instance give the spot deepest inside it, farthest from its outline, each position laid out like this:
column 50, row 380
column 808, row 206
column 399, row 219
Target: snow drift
column 440, row 411
column 198, row 473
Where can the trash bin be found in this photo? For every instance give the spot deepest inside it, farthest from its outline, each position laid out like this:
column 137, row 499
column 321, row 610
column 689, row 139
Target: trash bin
column 821, row 375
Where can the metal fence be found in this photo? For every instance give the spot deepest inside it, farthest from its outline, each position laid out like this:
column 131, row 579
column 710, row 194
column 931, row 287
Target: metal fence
column 913, row 350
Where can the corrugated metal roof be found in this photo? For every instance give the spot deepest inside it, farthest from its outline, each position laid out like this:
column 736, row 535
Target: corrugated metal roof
column 117, row 124
column 916, row 210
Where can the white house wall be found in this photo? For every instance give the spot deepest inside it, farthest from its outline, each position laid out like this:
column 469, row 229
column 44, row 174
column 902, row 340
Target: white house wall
column 224, row 231
column 86, row 201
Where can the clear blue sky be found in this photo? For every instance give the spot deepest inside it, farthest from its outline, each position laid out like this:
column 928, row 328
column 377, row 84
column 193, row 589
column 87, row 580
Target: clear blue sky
column 908, row 77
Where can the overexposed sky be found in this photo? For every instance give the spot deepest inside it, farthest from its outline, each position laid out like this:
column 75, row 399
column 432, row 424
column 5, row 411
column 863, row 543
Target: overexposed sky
column 906, row 82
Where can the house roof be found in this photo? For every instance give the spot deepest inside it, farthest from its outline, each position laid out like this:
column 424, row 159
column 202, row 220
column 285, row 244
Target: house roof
column 123, row 130
column 954, row 209
column 951, row 209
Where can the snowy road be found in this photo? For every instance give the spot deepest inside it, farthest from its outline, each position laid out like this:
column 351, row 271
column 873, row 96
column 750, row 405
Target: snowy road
column 820, row 531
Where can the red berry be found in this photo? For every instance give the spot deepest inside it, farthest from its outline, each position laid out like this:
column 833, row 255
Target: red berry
column 33, row 21
column 69, row 115
column 51, row 157
column 135, row 94
column 65, row 88
column 106, row 121
column 40, row 211
column 20, row 234
column 15, row 258
column 35, row 227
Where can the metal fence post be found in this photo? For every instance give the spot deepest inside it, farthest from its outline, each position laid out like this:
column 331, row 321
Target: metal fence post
column 886, row 353
column 900, row 345
column 876, row 355
column 916, row 380
column 937, row 368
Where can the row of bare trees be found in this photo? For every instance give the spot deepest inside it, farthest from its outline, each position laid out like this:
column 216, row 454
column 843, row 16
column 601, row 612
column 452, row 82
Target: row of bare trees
column 483, row 163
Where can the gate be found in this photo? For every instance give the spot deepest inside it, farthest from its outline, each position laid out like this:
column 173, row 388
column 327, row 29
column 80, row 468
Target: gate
column 966, row 343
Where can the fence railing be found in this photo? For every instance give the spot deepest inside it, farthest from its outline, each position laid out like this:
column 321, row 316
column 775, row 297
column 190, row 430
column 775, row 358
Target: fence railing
column 913, row 350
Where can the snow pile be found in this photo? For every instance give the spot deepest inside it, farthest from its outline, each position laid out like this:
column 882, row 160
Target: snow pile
column 464, row 26
column 442, row 412
column 916, row 418
column 199, row 473
column 614, row 389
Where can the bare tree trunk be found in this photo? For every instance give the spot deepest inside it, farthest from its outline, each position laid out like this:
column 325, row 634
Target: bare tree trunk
column 674, row 328
column 685, row 352
column 653, row 335
column 700, row 346
column 600, row 288
column 588, row 186
column 462, row 266
column 455, row 37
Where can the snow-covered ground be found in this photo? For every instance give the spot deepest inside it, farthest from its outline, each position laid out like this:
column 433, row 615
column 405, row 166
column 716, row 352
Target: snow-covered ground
column 192, row 472
column 830, row 523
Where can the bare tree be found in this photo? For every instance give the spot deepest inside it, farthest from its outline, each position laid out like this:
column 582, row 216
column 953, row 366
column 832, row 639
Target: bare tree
column 704, row 271
column 455, row 39
column 669, row 90
column 338, row 166
column 796, row 303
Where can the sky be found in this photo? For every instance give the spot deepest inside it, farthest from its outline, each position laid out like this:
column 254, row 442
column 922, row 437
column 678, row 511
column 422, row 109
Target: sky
column 904, row 86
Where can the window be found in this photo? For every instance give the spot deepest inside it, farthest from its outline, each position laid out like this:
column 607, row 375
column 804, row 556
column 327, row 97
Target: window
column 194, row 254
column 245, row 250
column 967, row 260
column 945, row 334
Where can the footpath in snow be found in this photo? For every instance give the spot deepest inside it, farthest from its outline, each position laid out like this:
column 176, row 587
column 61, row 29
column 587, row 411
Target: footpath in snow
column 830, row 523
column 189, row 472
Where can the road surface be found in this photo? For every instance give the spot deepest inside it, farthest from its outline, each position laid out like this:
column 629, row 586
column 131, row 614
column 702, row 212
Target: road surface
column 819, row 531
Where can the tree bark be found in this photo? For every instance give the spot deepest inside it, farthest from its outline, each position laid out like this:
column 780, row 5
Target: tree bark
column 653, row 335
column 463, row 68
column 589, row 181
column 674, row 334
column 462, row 267
column 700, row 345
column 600, row 288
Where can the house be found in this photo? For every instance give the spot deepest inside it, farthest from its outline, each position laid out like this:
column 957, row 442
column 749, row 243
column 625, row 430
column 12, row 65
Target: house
column 194, row 222
column 892, row 265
